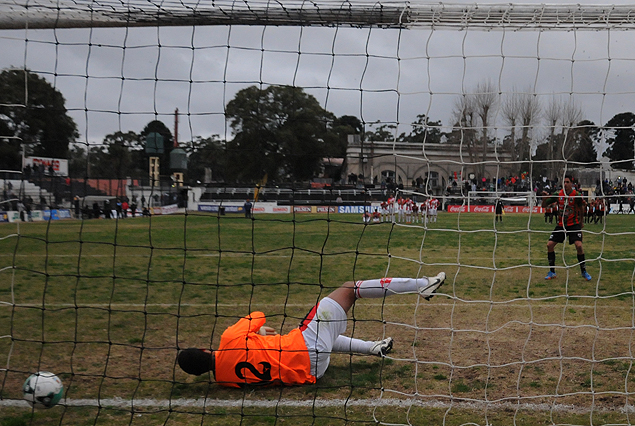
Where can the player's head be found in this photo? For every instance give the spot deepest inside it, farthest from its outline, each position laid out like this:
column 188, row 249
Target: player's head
column 568, row 182
column 196, row 361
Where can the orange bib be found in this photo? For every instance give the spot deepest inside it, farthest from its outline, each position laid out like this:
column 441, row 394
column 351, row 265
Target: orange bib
column 246, row 357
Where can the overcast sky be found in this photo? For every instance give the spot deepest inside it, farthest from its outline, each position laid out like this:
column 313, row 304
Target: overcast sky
column 374, row 74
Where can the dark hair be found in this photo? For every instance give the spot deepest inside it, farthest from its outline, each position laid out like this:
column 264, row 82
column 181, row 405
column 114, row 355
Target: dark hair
column 195, row 361
column 569, row 176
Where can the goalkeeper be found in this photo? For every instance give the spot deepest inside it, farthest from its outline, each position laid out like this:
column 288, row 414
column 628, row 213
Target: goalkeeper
column 570, row 213
column 252, row 353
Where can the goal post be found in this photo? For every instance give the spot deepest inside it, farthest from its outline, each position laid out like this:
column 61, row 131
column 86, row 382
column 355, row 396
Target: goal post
column 391, row 14
column 524, row 198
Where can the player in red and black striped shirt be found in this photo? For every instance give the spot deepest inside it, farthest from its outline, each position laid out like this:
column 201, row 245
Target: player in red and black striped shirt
column 570, row 213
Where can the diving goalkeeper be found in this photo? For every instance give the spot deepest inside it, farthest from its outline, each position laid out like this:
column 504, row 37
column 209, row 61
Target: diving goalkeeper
column 252, row 353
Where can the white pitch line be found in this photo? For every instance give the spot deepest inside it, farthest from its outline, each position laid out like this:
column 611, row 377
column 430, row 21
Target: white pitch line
column 209, row 403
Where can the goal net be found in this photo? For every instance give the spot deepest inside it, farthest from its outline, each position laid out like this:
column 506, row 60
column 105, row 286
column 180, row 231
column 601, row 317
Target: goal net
column 460, row 104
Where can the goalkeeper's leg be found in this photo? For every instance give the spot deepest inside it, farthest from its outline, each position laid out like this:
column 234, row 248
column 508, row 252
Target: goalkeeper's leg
column 346, row 344
column 349, row 292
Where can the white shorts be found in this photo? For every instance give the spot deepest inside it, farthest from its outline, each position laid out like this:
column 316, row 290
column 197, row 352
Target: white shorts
column 320, row 329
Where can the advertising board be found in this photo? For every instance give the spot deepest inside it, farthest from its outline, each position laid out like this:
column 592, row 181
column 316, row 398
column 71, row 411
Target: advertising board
column 60, row 165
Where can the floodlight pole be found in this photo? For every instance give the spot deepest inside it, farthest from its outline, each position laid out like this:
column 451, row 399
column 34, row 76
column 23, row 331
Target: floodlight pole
column 154, row 171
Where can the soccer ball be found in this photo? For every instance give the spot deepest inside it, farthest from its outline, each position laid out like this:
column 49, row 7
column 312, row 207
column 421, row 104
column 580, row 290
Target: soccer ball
column 43, row 389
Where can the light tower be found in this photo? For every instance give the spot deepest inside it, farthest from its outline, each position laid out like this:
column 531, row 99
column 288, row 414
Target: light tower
column 154, row 147
column 178, row 157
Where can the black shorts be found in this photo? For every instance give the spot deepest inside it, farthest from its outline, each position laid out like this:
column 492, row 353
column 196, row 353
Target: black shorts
column 574, row 233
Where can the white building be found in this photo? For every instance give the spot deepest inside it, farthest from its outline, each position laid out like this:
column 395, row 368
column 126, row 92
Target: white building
column 439, row 163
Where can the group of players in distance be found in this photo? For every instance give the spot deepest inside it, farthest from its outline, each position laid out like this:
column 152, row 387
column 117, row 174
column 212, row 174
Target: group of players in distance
column 594, row 211
column 251, row 353
column 404, row 210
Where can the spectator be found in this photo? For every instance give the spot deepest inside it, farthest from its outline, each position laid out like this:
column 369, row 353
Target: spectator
column 107, row 209
column 76, row 204
column 247, row 207
column 96, row 210
column 21, row 211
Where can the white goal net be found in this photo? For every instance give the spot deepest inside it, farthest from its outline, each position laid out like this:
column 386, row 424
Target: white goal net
column 467, row 104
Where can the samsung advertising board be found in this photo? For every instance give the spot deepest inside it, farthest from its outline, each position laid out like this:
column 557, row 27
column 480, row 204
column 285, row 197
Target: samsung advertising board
column 356, row 209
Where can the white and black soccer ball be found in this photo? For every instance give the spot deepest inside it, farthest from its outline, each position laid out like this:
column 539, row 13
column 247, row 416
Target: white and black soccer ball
column 43, row 389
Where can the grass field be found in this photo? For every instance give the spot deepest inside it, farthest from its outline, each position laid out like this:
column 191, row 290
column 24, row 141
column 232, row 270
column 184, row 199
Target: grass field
column 106, row 304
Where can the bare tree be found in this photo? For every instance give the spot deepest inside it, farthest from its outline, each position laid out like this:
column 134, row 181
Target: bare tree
column 520, row 111
column 473, row 114
column 486, row 100
column 571, row 115
column 562, row 121
column 530, row 112
column 510, row 113
column 465, row 123
column 553, row 112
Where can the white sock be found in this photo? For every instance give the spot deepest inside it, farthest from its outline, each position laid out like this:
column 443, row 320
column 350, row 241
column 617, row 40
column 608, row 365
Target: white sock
column 374, row 289
column 349, row 345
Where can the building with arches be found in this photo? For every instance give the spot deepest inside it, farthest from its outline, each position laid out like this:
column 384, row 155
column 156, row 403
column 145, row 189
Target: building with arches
column 435, row 166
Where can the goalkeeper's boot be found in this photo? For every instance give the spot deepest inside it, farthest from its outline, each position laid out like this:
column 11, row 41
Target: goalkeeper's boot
column 586, row 276
column 433, row 284
column 551, row 275
column 382, row 347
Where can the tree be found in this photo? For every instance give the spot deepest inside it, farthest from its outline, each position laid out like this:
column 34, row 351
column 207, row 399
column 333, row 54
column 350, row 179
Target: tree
column 563, row 118
column 465, row 125
column 350, row 122
column 118, row 157
column 336, row 142
column 621, row 139
column 520, row 112
column 279, row 131
column 77, row 161
column 42, row 123
column 423, row 130
column 553, row 112
column 337, row 139
column 510, row 113
column 208, row 153
column 9, row 148
column 156, row 126
column 384, row 132
column 583, row 136
column 485, row 104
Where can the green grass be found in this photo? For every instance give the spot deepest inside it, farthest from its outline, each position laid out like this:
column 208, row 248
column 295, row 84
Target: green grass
column 105, row 304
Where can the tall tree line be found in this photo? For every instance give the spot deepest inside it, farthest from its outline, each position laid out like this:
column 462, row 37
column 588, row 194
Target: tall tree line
column 283, row 133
